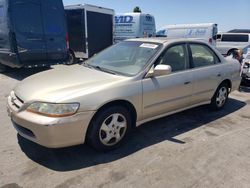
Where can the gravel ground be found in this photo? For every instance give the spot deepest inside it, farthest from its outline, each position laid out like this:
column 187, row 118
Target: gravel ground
column 194, row 148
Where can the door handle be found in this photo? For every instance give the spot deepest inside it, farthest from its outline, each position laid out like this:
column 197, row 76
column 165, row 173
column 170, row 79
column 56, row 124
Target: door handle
column 186, row 83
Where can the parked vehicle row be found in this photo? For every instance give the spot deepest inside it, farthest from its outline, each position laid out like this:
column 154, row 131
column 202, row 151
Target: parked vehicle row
column 125, row 85
column 45, row 38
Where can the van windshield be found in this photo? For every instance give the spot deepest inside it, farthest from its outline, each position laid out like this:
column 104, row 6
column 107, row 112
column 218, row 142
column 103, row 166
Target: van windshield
column 234, row 38
column 125, row 58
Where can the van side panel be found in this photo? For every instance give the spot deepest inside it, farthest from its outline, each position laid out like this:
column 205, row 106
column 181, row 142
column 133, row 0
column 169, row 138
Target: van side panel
column 54, row 21
column 100, row 31
column 127, row 26
column 134, row 25
column 76, row 29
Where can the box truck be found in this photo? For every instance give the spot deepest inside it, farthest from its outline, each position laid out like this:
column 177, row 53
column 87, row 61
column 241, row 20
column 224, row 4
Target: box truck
column 134, row 25
column 32, row 33
column 90, row 30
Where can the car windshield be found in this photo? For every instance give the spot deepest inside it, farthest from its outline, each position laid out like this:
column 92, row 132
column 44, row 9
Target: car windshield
column 126, row 58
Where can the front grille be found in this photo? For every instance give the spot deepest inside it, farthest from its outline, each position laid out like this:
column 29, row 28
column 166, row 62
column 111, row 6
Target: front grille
column 16, row 101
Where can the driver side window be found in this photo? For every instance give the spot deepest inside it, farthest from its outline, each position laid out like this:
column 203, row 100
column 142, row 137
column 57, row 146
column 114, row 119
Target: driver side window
column 175, row 56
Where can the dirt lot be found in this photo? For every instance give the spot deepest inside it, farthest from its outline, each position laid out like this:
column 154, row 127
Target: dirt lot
column 195, row 148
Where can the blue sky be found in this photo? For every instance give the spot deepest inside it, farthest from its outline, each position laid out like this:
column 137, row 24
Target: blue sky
column 227, row 14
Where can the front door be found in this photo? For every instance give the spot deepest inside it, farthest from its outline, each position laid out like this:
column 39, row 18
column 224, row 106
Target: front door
column 169, row 93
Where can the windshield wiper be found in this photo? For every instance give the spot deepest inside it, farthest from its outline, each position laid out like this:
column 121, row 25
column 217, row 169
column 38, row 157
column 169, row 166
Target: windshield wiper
column 99, row 68
column 103, row 69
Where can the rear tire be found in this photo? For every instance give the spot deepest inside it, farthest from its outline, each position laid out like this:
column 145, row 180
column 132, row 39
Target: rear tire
column 220, row 97
column 109, row 128
column 72, row 58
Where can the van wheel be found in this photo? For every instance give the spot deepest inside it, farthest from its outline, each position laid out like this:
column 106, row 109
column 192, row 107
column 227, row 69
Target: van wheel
column 220, row 97
column 72, row 58
column 2, row 68
column 109, row 128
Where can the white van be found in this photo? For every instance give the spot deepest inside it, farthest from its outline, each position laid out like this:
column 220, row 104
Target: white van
column 204, row 31
column 228, row 42
column 134, row 25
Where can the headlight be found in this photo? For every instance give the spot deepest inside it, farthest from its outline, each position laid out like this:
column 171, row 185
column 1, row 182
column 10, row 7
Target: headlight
column 53, row 110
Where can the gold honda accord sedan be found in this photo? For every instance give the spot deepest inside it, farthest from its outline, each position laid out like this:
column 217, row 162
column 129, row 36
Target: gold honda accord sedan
column 122, row 87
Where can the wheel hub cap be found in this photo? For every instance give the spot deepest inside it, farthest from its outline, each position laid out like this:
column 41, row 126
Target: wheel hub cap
column 113, row 129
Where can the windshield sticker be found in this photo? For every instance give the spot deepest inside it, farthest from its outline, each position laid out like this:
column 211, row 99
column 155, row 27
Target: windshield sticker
column 147, row 45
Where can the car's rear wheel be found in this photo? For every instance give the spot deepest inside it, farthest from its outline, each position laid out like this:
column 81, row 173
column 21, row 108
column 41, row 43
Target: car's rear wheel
column 109, row 128
column 220, row 97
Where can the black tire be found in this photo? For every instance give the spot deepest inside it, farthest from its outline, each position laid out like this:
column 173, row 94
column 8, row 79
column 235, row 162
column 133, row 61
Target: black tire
column 95, row 134
column 3, row 68
column 72, row 58
column 218, row 101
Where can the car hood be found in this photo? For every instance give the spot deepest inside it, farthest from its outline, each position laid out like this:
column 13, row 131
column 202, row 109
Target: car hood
column 62, row 82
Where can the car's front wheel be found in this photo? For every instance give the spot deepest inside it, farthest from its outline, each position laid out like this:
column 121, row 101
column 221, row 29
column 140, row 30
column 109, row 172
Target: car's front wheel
column 220, row 97
column 109, row 128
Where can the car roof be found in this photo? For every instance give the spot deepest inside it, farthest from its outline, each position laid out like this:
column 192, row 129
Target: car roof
column 164, row 40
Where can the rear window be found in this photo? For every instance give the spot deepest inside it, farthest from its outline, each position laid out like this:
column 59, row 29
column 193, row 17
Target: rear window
column 234, row 38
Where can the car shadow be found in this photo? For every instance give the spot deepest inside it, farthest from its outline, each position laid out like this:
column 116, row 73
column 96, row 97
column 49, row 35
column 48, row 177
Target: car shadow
column 164, row 129
column 22, row 73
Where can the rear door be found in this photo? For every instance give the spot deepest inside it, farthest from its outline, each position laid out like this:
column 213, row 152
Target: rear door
column 27, row 23
column 100, row 31
column 207, row 70
column 76, row 30
column 55, row 29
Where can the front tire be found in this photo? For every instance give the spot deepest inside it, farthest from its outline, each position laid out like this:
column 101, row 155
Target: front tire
column 109, row 128
column 220, row 97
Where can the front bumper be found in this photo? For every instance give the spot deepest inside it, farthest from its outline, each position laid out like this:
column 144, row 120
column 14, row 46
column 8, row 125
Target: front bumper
column 50, row 132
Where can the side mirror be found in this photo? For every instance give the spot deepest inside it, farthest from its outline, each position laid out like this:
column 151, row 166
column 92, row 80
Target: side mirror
column 159, row 70
column 214, row 37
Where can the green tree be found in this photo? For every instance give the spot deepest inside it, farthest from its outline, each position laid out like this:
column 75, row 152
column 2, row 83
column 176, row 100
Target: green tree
column 137, row 9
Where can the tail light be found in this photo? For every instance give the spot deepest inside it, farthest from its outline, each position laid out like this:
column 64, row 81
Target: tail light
column 67, row 40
